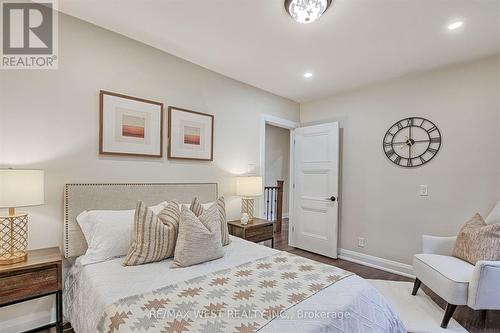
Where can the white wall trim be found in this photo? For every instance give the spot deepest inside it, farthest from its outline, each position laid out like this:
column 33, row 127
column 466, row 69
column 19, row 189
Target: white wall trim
column 291, row 227
column 376, row 262
column 279, row 122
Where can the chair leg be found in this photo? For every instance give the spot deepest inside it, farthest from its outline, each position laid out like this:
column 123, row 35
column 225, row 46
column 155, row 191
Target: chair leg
column 416, row 286
column 450, row 308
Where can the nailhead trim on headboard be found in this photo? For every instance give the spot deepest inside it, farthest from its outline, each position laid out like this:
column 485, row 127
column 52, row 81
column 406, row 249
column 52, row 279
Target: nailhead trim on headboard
column 67, row 253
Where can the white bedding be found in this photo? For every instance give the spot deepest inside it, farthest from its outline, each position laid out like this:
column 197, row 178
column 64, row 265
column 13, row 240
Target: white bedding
column 90, row 289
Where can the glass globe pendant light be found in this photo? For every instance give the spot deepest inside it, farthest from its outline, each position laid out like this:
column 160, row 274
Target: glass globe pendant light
column 306, row 11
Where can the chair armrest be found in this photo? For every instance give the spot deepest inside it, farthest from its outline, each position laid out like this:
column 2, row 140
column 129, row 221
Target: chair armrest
column 484, row 287
column 438, row 245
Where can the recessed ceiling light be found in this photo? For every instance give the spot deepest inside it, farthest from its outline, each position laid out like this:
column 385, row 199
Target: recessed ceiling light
column 306, row 11
column 455, row 25
column 308, row 75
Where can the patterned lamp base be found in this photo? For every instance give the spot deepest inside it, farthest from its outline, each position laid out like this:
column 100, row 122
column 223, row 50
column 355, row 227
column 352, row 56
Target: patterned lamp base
column 13, row 238
column 247, row 205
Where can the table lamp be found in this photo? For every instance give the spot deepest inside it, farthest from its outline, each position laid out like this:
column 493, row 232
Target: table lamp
column 248, row 187
column 18, row 188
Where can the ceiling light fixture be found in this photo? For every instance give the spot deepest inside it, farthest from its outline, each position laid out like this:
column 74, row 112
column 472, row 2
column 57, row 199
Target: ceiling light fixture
column 455, row 25
column 308, row 75
column 306, row 11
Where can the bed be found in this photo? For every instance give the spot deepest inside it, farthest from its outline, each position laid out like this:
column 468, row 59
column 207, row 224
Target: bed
column 349, row 305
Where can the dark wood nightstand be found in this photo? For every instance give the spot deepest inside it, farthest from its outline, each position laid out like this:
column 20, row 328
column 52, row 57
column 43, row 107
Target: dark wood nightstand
column 40, row 275
column 260, row 230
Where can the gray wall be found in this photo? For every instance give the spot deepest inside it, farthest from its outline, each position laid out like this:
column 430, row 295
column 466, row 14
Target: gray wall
column 381, row 201
column 49, row 120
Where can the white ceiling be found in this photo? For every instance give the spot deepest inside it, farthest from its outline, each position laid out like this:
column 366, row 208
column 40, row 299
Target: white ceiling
column 355, row 43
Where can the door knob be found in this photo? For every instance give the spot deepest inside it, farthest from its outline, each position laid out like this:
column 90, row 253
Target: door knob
column 332, row 198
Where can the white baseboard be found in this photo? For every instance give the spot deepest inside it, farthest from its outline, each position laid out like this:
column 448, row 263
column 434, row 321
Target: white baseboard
column 376, row 262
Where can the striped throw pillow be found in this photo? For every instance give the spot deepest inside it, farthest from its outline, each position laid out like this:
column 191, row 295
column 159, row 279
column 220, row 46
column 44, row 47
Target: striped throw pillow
column 197, row 208
column 154, row 236
column 221, row 207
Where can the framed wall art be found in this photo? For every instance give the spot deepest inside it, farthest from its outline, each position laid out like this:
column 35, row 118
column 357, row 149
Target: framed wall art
column 130, row 125
column 191, row 135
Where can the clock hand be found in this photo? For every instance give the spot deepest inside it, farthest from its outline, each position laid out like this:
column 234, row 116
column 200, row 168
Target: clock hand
column 414, row 141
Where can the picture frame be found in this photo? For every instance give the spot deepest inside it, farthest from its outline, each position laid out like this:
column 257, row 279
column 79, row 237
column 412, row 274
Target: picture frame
column 130, row 126
column 190, row 135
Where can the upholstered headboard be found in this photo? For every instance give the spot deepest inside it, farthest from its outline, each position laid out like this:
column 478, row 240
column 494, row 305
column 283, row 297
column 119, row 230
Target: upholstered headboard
column 81, row 197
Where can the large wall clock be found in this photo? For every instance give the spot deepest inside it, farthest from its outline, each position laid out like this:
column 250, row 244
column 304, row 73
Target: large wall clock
column 412, row 142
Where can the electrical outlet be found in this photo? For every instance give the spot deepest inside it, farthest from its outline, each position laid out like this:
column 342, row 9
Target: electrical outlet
column 424, row 191
column 361, row 242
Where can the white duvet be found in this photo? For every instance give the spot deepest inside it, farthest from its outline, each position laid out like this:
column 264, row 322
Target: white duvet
column 350, row 305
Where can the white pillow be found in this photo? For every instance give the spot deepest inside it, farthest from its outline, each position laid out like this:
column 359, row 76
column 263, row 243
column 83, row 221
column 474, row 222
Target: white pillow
column 205, row 205
column 108, row 232
column 494, row 216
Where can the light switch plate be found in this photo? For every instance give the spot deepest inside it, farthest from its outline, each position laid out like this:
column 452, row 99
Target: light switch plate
column 251, row 169
column 424, row 191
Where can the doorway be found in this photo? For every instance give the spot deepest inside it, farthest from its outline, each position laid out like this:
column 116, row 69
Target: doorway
column 276, row 170
column 313, row 180
column 276, row 167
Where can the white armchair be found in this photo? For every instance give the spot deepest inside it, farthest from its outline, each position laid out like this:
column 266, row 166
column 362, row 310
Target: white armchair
column 457, row 281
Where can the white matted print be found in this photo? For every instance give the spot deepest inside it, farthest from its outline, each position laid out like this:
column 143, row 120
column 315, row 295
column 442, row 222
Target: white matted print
column 191, row 134
column 130, row 126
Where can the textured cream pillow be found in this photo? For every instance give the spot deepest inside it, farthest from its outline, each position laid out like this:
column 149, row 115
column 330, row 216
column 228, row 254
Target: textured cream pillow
column 197, row 208
column 478, row 241
column 198, row 240
column 154, row 236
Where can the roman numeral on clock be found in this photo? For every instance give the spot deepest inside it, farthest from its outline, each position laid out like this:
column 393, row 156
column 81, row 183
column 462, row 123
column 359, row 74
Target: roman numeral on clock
column 432, row 129
column 436, row 140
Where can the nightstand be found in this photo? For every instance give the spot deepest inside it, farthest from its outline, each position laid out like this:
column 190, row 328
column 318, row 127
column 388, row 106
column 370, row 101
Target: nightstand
column 258, row 231
column 40, row 275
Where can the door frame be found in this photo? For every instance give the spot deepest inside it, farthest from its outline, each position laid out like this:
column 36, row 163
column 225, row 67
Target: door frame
column 291, row 126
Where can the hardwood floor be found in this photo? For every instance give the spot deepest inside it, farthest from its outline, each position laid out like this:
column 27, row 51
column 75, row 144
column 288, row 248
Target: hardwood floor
column 473, row 321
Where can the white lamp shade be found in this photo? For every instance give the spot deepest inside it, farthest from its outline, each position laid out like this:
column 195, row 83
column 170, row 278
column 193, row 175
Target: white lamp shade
column 21, row 188
column 249, row 186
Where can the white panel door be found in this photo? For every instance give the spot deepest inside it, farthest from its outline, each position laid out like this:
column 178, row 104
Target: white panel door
column 315, row 218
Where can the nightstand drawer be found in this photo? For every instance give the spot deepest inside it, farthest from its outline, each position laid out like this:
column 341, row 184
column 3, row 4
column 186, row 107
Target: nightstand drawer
column 24, row 284
column 259, row 234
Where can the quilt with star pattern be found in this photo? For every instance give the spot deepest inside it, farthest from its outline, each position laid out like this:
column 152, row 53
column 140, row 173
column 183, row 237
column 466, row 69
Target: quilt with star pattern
column 242, row 299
